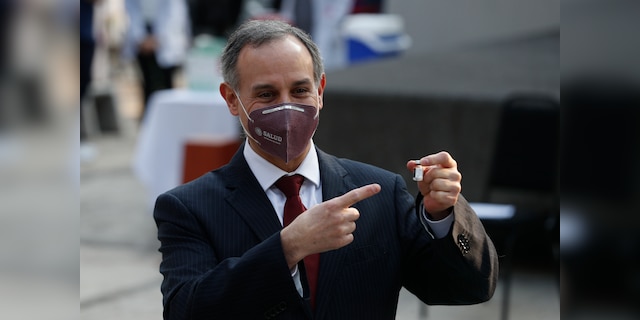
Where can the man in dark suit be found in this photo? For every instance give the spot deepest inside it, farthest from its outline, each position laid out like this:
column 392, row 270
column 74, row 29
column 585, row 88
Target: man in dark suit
column 226, row 254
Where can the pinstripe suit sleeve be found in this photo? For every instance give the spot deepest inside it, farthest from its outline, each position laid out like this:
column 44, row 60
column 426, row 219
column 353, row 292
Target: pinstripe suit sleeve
column 438, row 271
column 445, row 272
column 199, row 285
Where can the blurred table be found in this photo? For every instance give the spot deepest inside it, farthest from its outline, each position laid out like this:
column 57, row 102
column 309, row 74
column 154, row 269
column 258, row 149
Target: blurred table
column 174, row 117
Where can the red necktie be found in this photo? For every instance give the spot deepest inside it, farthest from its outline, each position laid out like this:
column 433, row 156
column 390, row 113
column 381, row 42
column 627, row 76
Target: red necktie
column 290, row 186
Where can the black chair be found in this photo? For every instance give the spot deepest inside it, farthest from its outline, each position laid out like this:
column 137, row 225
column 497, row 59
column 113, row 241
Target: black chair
column 520, row 197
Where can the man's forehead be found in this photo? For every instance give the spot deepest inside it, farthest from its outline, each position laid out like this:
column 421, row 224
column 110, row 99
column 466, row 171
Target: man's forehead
column 268, row 56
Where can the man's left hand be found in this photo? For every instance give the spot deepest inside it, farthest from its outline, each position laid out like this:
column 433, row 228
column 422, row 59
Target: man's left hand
column 440, row 184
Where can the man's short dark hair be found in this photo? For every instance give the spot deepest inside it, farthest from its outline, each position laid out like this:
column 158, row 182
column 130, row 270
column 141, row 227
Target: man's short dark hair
column 257, row 33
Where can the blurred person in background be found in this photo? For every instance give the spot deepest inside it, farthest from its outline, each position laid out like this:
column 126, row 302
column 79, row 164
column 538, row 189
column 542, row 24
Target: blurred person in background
column 23, row 70
column 158, row 37
column 322, row 19
column 239, row 243
column 87, row 51
column 6, row 15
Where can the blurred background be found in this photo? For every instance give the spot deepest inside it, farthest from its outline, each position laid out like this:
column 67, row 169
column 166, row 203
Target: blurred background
column 554, row 183
column 600, row 243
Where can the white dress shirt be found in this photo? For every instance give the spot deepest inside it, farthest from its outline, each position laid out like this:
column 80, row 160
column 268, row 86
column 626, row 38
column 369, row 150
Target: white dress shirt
column 267, row 174
column 311, row 191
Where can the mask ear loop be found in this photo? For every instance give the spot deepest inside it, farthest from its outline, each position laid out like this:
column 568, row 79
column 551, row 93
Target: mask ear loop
column 316, row 116
column 242, row 105
column 317, row 108
column 248, row 117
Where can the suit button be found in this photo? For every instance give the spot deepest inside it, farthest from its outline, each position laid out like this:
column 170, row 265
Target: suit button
column 463, row 242
column 270, row 314
column 282, row 306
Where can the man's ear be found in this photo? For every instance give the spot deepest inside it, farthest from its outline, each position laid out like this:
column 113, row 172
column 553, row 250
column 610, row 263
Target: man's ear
column 230, row 97
column 323, row 83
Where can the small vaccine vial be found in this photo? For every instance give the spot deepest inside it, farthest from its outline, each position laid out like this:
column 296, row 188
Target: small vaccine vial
column 418, row 171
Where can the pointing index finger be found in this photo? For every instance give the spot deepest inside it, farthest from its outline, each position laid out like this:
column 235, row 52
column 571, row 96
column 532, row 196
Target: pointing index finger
column 356, row 195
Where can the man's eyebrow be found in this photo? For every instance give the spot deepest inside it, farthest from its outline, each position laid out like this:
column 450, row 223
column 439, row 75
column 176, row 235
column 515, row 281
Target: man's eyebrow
column 303, row 82
column 266, row 86
column 259, row 87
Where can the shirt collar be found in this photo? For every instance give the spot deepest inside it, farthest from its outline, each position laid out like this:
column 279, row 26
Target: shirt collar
column 267, row 174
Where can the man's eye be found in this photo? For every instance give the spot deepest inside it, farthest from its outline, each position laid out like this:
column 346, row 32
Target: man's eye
column 301, row 90
column 265, row 95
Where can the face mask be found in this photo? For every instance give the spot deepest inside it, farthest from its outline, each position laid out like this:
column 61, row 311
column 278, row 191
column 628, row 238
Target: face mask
column 282, row 130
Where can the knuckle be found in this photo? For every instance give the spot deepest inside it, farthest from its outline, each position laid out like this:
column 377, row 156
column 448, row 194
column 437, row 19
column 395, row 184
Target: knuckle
column 348, row 239
column 355, row 195
column 330, row 206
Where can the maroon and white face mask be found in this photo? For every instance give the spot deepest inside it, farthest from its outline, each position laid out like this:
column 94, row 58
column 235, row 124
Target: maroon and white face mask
column 282, row 130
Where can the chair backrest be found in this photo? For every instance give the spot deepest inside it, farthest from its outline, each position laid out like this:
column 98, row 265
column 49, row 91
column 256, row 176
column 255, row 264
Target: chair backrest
column 525, row 157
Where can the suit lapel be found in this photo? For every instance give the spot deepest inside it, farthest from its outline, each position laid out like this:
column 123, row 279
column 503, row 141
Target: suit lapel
column 248, row 199
column 335, row 182
column 334, row 177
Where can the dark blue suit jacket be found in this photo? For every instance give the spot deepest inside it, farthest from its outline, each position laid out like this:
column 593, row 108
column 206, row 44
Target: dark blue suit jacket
column 222, row 256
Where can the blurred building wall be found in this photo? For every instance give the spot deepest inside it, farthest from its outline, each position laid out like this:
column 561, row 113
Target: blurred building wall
column 436, row 25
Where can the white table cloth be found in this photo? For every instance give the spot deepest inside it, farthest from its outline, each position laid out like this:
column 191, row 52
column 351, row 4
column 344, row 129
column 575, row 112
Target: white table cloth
column 173, row 117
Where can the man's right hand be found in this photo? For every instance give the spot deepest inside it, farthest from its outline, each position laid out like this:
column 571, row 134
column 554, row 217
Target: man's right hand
column 148, row 45
column 325, row 226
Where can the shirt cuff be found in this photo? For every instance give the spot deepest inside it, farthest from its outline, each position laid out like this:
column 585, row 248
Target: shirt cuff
column 438, row 229
column 296, row 279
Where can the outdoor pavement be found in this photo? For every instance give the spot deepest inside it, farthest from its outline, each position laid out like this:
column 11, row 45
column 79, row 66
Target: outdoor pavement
column 118, row 246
